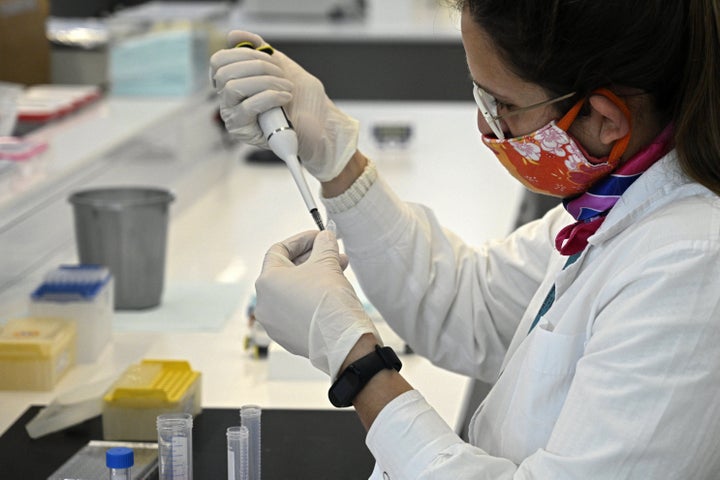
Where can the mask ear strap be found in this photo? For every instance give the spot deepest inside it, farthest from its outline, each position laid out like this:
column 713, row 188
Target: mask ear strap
column 621, row 145
column 567, row 120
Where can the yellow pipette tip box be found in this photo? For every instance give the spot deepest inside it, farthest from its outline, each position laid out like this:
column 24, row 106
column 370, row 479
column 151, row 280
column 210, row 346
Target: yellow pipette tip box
column 144, row 391
column 35, row 352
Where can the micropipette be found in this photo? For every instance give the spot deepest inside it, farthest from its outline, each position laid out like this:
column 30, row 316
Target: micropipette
column 282, row 139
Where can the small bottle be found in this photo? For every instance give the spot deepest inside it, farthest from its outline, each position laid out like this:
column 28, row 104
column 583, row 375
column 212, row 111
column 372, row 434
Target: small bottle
column 119, row 460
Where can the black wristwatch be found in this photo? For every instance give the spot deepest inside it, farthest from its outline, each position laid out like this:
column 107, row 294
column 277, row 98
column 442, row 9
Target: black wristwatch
column 358, row 374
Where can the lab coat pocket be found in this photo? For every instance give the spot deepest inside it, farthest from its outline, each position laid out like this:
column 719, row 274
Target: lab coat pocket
column 542, row 385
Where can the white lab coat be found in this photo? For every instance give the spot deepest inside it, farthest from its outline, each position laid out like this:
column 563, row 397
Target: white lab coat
column 621, row 378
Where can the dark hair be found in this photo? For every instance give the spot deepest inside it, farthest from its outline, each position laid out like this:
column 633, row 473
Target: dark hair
column 667, row 48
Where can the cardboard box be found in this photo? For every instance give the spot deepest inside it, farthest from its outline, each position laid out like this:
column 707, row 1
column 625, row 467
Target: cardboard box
column 24, row 48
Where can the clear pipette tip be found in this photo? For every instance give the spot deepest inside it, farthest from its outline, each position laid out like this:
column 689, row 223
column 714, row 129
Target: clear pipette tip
column 331, row 227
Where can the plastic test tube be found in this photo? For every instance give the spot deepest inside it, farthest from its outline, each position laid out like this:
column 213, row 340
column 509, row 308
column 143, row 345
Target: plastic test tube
column 175, row 446
column 119, row 460
column 237, row 453
column 250, row 418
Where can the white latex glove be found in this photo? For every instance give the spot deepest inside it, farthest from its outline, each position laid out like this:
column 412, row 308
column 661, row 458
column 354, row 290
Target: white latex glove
column 251, row 82
column 308, row 306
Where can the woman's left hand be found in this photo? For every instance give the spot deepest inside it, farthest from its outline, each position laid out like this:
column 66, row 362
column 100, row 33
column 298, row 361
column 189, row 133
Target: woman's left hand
column 306, row 303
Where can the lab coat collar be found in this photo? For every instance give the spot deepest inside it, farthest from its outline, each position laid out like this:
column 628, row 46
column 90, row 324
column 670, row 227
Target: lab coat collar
column 663, row 183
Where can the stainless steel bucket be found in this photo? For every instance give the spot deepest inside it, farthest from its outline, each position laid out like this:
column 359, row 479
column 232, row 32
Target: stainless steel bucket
column 125, row 229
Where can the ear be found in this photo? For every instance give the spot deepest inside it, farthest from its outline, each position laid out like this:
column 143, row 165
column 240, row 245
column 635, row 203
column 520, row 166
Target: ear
column 614, row 123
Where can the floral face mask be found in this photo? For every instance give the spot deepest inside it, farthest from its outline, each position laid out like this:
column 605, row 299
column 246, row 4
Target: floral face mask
column 550, row 161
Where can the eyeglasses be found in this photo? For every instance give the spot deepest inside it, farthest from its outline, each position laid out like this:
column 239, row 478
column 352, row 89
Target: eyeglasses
column 488, row 107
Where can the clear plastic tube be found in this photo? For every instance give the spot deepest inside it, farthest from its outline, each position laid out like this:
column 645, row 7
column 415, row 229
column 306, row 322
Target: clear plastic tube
column 175, row 446
column 250, row 418
column 237, row 453
column 120, row 474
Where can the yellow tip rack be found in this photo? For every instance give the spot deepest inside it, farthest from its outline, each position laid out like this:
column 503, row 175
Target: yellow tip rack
column 145, row 391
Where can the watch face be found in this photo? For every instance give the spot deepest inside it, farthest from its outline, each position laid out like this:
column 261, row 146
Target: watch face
column 344, row 389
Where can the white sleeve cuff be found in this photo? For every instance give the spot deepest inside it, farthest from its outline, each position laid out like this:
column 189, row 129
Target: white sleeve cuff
column 350, row 197
column 408, row 435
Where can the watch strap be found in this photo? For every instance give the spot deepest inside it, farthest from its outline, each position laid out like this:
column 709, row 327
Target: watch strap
column 354, row 378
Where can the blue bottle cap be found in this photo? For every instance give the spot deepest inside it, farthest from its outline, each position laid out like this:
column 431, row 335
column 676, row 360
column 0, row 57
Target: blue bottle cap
column 119, row 457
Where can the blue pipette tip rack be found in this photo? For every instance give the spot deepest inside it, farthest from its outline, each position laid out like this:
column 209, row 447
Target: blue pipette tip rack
column 73, row 282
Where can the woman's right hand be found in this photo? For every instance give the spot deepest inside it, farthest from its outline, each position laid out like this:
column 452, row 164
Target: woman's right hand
column 251, row 82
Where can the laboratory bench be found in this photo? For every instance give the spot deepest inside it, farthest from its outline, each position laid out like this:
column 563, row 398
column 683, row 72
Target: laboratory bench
column 228, row 211
column 399, row 50
column 297, row 444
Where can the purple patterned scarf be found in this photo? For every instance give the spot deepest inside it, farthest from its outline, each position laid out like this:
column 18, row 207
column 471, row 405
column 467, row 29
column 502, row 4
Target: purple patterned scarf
column 591, row 207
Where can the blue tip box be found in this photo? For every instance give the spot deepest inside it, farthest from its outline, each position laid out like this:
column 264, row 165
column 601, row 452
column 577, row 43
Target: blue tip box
column 83, row 294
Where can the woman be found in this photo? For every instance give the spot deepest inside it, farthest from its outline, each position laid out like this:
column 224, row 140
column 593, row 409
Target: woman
column 597, row 324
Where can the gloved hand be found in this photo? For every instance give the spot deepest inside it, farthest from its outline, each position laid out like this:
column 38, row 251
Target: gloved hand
column 251, row 82
column 310, row 308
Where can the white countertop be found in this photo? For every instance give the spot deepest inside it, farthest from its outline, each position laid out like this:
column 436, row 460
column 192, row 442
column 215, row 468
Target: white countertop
column 395, row 21
column 227, row 214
